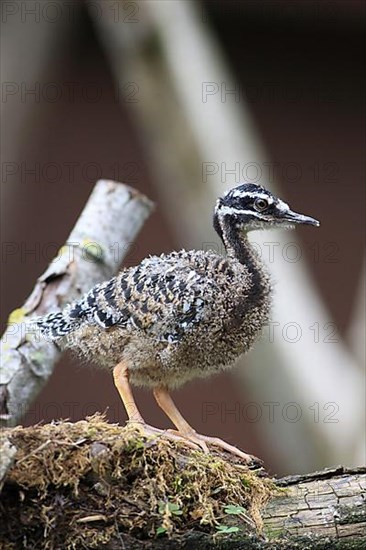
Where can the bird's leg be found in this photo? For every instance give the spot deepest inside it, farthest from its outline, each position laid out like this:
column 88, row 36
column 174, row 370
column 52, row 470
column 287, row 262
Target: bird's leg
column 122, row 383
column 167, row 404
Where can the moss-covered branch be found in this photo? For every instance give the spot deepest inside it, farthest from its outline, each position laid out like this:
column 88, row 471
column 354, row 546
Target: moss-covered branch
column 95, row 485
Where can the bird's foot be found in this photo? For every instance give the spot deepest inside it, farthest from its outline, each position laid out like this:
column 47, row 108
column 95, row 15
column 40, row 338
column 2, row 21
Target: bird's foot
column 150, row 431
column 204, row 440
column 143, row 428
column 192, row 439
column 217, row 442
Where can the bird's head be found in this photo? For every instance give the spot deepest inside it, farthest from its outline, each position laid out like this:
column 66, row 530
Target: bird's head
column 248, row 207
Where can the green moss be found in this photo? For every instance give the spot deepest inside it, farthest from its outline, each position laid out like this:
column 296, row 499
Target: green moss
column 86, row 483
column 348, row 515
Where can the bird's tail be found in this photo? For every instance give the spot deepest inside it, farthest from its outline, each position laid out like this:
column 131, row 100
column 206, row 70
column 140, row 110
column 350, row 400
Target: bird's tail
column 55, row 325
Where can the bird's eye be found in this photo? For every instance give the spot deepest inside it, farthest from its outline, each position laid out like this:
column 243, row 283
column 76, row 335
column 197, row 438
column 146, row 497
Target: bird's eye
column 260, row 204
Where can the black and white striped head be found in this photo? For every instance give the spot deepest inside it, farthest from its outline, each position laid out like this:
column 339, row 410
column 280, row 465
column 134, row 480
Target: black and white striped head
column 248, row 207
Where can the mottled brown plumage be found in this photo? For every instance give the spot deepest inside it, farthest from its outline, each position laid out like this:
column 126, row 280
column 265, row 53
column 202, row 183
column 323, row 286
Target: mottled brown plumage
column 180, row 316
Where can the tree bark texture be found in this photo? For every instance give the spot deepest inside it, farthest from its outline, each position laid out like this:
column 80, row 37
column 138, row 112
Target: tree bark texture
column 326, row 505
column 101, row 238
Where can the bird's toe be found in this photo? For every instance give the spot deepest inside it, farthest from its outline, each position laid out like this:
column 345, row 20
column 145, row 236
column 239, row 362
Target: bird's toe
column 248, row 459
column 192, row 437
column 217, row 442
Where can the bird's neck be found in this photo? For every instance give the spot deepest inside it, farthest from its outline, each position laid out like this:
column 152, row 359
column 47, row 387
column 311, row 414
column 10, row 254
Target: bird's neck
column 238, row 246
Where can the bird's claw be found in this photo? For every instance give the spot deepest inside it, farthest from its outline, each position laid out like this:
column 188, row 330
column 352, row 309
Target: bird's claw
column 191, row 438
column 203, row 440
column 217, row 442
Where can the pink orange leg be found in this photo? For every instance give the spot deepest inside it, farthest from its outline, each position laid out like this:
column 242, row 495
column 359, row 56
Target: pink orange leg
column 121, row 380
column 122, row 383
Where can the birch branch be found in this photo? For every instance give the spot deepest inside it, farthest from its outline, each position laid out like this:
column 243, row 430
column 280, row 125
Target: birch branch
column 107, row 226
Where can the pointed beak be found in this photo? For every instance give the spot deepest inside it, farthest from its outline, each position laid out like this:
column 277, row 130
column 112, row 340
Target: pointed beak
column 294, row 217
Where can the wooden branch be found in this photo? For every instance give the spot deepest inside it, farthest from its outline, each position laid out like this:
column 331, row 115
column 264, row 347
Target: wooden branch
column 330, row 504
column 91, row 484
column 107, row 226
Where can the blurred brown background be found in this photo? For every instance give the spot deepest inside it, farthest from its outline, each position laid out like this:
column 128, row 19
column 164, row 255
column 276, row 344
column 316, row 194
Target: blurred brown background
column 301, row 75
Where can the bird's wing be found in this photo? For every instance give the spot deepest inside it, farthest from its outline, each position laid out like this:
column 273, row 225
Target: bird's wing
column 162, row 296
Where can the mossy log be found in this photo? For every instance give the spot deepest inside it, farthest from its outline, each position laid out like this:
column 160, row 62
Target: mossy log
column 91, row 484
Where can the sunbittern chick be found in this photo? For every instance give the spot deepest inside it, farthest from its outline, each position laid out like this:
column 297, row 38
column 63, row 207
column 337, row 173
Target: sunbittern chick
column 182, row 315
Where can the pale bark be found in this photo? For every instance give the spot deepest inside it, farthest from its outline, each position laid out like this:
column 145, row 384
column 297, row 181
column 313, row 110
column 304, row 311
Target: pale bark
column 102, row 236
